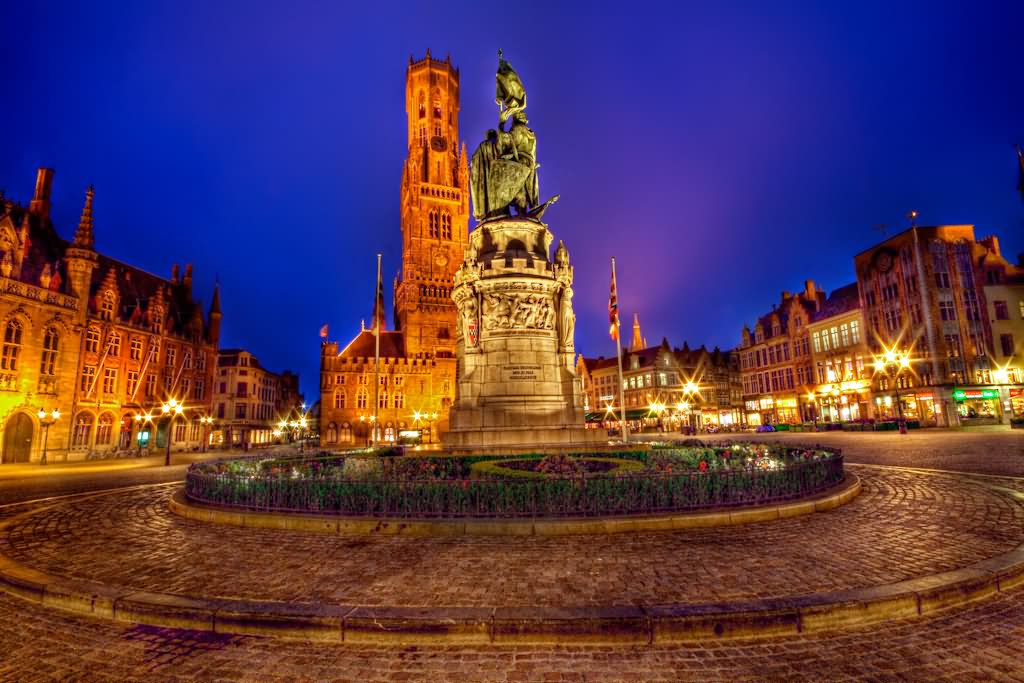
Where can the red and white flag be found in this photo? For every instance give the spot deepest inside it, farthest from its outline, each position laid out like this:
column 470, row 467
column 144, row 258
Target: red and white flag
column 323, row 332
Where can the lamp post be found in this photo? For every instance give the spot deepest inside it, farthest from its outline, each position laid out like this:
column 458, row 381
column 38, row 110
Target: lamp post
column 46, row 420
column 892, row 363
column 207, row 422
column 814, row 408
column 692, row 391
column 171, row 409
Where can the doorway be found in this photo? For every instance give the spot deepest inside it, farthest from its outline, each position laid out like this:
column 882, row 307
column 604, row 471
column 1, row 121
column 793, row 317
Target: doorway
column 17, row 439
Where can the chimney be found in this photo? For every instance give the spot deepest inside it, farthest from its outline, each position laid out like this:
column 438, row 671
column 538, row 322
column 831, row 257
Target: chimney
column 187, row 280
column 785, row 295
column 174, row 273
column 991, row 243
column 41, row 199
column 810, row 291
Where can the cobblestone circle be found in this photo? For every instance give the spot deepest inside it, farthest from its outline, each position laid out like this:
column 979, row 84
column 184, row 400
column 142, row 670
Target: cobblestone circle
column 983, row 643
column 903, row 525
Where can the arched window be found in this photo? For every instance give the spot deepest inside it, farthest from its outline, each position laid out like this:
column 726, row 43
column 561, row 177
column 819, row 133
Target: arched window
column 339, row 398
column 48, row 364
column 83, row 429
column 105, row 429
column 446, row 225
column 346, row 433
column 389, row 432
column 12, row 346
column 92, row 340
column 434, row 223
column 361, row 398
column 332, row 433
column 422, row 107
column 437, row 108
column 107, row 306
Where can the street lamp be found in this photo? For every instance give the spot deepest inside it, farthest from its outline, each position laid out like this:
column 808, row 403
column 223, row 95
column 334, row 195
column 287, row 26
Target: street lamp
column 171, row 409
column 892, row 363
column 46, row 420
column 207, row 422
column 692, row 391
column 814, row 408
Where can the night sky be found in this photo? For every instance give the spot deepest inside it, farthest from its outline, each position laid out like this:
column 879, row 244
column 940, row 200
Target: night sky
column 722, row 153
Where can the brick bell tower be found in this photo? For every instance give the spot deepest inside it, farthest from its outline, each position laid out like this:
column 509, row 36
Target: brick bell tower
column 435, row 209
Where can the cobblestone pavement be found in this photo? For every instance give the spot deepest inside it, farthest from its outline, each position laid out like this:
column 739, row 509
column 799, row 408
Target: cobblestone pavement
column 997, row 450
column 903, row 525
column 984, row 643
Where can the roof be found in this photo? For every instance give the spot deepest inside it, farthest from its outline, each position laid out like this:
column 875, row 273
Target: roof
column 392, row 345
column 598, row 363
column 842, row 300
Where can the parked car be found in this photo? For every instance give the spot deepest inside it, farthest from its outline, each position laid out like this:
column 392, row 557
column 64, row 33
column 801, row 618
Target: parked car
column 765, row 428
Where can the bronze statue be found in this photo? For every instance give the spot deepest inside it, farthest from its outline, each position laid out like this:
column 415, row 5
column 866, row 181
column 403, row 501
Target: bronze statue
column 503, row 171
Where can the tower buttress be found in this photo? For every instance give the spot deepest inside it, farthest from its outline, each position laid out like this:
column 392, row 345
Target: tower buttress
column 81, row 257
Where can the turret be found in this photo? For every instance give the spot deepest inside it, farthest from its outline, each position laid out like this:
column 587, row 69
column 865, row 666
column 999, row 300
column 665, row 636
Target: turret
column 213, row 330
column 81, row 257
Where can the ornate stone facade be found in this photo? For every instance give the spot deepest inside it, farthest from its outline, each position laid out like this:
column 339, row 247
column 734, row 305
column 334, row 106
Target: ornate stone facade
column 94, row 338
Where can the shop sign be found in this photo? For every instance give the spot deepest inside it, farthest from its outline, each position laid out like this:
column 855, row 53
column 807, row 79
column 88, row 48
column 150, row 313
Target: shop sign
column 752, row 405
column 962, row 394
column 1016, row 392
column 925, row 397
column 787, row 403
column 767, row 403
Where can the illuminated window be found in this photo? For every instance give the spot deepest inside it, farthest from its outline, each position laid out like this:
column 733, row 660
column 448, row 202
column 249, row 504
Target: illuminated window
column 151, row 385
column 107, row 306
column 361, row 399
column 109, row 380
column 88, row 376
column 135, row 349
column 83, row 430
column 133, row 383
column 399, row 400
column 48, row 363
column 12, row 346
column 114, row 345
column 434, row 221
column 339, row 399
column 92, row 340
column 105, row 429
column 446, row 226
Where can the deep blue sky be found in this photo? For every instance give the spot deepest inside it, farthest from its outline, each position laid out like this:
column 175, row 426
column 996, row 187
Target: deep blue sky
column 723, row 153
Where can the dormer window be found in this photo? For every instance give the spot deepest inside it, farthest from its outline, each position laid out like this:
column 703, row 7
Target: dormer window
column 107, row 306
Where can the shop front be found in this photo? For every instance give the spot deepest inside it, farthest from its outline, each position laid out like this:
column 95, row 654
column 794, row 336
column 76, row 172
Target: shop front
column 1016, row 403
column 843, row 401
column 753, row 412
column 977, row 406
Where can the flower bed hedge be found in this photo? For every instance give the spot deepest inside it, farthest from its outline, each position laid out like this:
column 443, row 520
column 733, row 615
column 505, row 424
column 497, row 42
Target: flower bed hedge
column 665, row 478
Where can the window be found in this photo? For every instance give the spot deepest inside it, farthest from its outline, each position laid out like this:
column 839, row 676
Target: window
column 83, row 430
column 12, row 346
column 361, row 398
column 199, row 390
column 151, row 385
column 399, row 400
column 107, row 306
column 835, row 337
column 242, row 390
column 186, row 361
column 382, row 399
column 48, row 363
column 135, row 349
column 169, row 357
column 346, row 433
column 437, row 109
column 339, row 399
column 179, row 430
column 1021, row 304
column 168, row 383
column 201, row 361
column 339, row 379
column 240, row 411
column 446, row 225
column 435, row 224
column 88, row 377
column 220, row 410
column 114, row 345
column 855, row 331
column 133, row 383
column 109, row 380
column 1006, row 342
column 1002, row 310
column 185, row 387
column 947, row 311
column 92, row 340
column 105, row 429
column 844, row 334
column 332, row 433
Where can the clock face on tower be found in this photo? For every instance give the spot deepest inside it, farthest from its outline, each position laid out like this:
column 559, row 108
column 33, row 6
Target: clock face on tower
column 438, row 144
column 883, row 262
column 441, row 259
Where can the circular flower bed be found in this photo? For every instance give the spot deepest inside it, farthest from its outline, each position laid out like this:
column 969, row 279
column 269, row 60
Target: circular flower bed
column 384, row 483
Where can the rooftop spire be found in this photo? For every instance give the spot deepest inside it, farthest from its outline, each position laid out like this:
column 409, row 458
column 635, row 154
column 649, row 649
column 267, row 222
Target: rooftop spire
column 215, row 304
column 84, row 237
column 638, row 342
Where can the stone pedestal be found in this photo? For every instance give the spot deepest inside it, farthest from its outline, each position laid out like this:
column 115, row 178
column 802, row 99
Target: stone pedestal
column 516, row 384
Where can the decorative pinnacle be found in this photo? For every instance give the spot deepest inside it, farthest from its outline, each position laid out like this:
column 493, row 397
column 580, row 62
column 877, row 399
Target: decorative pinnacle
column 84, row 235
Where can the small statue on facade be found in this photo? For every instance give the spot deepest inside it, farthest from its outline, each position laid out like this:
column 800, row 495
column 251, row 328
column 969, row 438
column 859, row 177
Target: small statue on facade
column 566, row 320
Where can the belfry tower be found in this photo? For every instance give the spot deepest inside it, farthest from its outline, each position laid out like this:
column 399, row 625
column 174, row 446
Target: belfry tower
column 435, row 209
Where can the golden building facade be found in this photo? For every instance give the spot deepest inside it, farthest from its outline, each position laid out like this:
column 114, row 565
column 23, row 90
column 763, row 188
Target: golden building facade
column 840, row 390
column 250, row 401
column 99, row 341
column 414, row 387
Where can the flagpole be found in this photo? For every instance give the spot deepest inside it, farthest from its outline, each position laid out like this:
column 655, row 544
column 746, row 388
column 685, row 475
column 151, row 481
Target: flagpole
column 618, row 356
column 376, row 354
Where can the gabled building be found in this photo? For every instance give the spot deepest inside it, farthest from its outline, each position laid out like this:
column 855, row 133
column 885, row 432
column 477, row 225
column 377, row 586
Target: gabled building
column 843, row 369
column 250, row 401
column 101, row 342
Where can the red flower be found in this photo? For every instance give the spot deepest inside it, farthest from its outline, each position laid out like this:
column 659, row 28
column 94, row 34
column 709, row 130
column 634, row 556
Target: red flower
column 726, row 454
column 703, row 465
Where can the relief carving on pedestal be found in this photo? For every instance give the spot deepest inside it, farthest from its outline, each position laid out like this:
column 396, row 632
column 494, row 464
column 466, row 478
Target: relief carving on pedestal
column 518, row 311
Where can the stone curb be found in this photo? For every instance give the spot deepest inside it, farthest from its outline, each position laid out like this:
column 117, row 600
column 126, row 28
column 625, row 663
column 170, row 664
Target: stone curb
column 848, row 489
column 613, row 625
